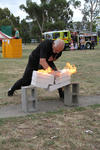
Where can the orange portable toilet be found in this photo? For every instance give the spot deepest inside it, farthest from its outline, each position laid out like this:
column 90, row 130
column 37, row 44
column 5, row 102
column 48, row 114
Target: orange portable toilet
column 12, row 48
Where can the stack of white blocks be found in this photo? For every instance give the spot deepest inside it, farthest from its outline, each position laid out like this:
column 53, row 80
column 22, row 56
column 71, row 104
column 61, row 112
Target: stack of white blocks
column 42, row 80
column 48, row 81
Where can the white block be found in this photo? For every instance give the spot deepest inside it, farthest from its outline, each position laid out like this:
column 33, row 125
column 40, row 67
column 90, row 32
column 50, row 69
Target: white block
column 42, row 80
column 64, row 75
column 39, row 84
column 60, row 80
column 37, row 74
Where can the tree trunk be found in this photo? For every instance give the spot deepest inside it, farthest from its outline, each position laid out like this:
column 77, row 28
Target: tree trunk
column 91, row 17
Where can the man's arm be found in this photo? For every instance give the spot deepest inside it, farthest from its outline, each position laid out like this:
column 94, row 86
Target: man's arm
column 55, row 57
column 43, row 63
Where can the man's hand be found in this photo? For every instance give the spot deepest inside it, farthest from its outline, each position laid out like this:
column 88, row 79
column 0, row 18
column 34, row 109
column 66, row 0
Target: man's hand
column 50, row 58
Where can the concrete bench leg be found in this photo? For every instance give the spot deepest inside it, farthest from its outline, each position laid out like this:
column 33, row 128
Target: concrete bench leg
column 29, row 102
column 67, row 95
column 75, row 94
column 71, row 94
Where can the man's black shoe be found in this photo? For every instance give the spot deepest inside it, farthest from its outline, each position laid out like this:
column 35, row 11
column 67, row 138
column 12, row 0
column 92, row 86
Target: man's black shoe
column 10, row 92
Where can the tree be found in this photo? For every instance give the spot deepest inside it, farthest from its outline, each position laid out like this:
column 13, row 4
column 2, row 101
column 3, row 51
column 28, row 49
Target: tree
column 60, row 12
column 75, row 3
column 48, row 14
column 77, row 26
column 25, row 31
column 35, row 12
column 91, row 11
column 6, row 18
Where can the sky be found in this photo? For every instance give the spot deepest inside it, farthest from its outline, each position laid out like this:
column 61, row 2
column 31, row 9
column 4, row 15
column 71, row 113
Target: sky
column 13, row 6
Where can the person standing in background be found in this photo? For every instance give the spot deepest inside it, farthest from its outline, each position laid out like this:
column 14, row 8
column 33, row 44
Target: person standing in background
column 16, row 33
column 82, row 42
column 92, row 43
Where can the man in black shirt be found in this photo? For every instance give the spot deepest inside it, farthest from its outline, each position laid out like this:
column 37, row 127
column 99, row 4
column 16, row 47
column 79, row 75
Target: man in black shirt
column 42, row 57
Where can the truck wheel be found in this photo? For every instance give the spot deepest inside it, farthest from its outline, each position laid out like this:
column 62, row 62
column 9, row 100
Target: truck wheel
column 88, row 45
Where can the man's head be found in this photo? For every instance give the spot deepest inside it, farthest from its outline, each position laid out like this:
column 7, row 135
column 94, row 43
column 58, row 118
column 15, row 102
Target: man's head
column 15, row 29
column 58, row 45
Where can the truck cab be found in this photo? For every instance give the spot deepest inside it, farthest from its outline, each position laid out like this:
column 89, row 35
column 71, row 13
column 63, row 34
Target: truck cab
column 62, row 34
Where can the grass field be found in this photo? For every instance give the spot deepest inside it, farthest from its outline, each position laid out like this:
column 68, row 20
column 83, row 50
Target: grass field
column 71, row 129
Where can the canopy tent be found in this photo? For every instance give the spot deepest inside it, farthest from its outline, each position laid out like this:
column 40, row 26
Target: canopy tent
column 4, row 36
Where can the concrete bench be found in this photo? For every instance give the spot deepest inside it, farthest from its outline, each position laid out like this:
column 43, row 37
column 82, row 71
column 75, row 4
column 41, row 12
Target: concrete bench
column 30, row 102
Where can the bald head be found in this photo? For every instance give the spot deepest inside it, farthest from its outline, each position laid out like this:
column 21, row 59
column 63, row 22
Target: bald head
column 58, row 45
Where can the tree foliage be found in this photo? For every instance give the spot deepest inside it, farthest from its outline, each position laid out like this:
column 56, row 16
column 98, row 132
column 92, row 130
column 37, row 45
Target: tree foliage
column 91, row 11
column 6, row 18
column 49, row 14
column 25, row 31
column 75, row 3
